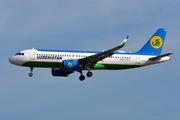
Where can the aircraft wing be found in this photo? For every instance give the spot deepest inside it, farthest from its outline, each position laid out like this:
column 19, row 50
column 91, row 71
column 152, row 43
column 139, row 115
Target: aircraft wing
column 159, row 57
column 93, row 59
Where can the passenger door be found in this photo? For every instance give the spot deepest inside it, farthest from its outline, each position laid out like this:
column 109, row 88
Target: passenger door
column 138, row 60
column 32, row 54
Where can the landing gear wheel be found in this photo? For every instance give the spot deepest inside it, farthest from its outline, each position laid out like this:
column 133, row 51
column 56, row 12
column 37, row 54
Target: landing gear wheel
column 30, row 74
column 89, row 74
column 81, row 78
column 31, row 70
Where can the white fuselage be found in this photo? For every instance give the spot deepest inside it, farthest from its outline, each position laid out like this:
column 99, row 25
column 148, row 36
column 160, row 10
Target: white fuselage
column 121, row 58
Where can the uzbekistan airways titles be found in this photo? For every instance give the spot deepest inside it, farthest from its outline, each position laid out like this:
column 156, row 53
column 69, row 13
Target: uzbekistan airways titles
column 49, row 57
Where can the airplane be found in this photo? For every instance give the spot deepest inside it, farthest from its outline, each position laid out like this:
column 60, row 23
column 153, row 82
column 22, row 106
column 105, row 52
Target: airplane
column 65, row 62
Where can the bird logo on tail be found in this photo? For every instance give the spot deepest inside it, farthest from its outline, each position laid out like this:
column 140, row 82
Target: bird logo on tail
column 156, row 42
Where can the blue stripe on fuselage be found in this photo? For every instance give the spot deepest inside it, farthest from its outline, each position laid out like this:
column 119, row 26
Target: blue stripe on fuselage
column 79, row 51
column 86, row 51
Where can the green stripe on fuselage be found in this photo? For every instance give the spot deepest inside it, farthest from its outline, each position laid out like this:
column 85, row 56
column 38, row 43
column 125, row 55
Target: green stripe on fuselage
column 59, row 65
column 43, row 64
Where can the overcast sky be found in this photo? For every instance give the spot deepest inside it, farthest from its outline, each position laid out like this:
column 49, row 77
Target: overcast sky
column 149, row 93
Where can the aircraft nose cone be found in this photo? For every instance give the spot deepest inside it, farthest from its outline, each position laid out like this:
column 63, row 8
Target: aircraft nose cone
column 12, row 60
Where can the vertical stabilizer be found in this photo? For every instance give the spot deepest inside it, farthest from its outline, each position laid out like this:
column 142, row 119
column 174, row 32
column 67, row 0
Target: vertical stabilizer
column 155, row 43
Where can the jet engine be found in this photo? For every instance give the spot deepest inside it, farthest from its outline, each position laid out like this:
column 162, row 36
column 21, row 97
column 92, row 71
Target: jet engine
column 59, row 72
column 70, row 65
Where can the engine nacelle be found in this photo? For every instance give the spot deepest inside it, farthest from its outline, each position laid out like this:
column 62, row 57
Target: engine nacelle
column 70, row 65
column 59, row 72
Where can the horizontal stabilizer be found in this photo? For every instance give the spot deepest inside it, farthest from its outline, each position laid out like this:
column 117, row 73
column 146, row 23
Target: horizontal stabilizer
column 159, row 57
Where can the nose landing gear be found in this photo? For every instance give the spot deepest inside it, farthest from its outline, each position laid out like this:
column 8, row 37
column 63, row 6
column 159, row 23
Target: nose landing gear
column 30, row 74
column 31, row 70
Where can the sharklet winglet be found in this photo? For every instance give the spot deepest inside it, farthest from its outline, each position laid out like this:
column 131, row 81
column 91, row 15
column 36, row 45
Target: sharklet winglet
column 123, row 43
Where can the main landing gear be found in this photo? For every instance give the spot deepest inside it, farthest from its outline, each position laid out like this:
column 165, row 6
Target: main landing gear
column 31, row 70
column 89, row 73
column 82, row 77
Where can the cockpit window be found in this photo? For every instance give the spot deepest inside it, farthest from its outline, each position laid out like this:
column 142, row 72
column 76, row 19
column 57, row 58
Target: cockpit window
column 19, row 53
